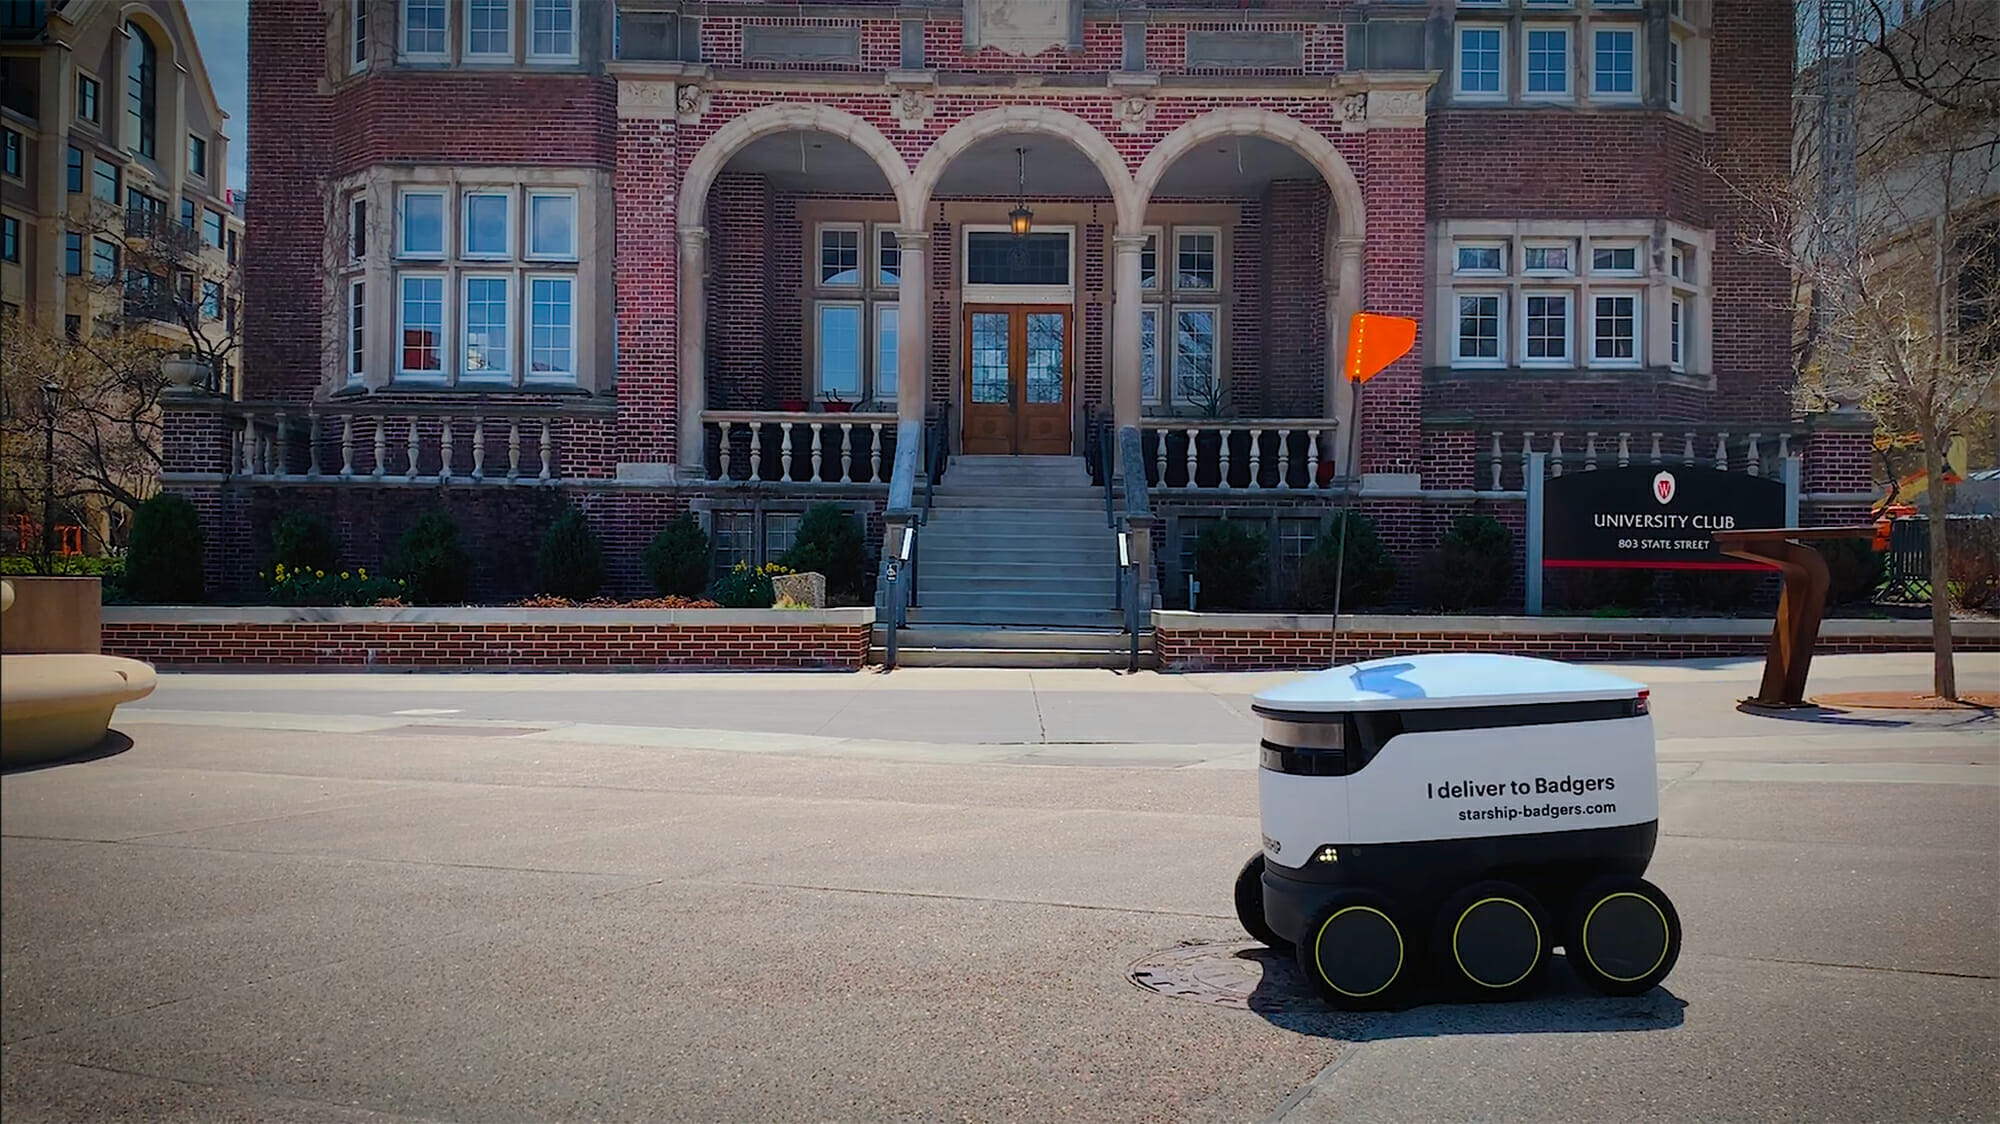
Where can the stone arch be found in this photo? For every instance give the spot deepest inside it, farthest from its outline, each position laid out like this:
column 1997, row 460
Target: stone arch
column 1290, row 132
column 1346, row 228
column 1046, row 121
column 787, row 117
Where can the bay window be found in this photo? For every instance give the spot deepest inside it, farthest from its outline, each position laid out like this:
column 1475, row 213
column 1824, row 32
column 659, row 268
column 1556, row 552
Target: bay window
column 1615, row 330
column 552, row 225
column 1481, row 69
column 489, row 30
column 1614, row 67
column 1548, row 63
column 1477, row 329
column 421, row 225
column 486, row 225
column 424, row 30
column 1545, row 332
column 552, row 31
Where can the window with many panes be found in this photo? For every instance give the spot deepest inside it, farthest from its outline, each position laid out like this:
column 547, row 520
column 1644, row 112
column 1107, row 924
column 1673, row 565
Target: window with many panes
column 1614, row 68
column 552, row 31
column 1481, row 61
column 1547, row 63
column 1180, row 325
column 1614, row 332
column 1545, row 333
column 735, row 539
column 425, row 34
column 486, row 290
column 1478, row 323
column 854, row 312
column 142, row 78
column 489, row 30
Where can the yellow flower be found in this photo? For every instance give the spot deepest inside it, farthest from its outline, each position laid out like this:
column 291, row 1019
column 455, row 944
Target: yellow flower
column 364, row 573
column 343, row 575
column 319, row 573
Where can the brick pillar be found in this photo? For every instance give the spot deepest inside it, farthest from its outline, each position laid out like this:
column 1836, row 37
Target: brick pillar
column 1393, row 404
column 289, row 157
column 739, row 302
column 646, row 270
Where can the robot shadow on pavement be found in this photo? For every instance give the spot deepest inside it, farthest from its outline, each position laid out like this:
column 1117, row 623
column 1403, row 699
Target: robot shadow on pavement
column 1435, row 827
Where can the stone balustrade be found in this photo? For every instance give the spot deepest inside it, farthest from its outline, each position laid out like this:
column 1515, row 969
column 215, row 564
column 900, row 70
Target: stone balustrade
column 802, row 448
column 1503, row 456
column 1243, row 454
column 477, row 441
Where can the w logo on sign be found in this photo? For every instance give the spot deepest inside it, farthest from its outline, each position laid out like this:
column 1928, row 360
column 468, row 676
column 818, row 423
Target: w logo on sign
column 1663, row 487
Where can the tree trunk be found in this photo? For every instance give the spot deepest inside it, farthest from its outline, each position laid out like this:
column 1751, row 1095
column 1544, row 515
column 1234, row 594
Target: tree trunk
column 1944, row 676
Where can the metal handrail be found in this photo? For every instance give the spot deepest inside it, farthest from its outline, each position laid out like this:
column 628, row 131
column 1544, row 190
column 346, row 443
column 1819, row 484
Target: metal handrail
column 936, row 458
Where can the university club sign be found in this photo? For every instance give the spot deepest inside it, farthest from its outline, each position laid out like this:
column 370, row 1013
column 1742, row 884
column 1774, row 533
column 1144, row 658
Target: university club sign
column 1654, row 518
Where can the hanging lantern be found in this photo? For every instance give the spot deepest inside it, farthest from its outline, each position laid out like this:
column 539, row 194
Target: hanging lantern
column 1021, row 220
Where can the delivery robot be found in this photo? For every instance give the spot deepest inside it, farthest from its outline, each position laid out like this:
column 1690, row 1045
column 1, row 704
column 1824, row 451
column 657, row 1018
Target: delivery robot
column 1458, row 816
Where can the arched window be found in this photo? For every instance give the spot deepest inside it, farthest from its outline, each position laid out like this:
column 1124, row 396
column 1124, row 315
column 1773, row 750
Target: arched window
column 142, row 79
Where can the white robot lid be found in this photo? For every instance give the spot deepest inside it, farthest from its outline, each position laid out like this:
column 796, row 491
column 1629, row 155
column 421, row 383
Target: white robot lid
column 1454, row 679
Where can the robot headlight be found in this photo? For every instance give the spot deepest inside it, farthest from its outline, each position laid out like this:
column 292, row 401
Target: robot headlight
column 1327, row 854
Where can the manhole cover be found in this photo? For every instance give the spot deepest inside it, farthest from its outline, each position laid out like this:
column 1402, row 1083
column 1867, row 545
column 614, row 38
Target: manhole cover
column 1240, row 974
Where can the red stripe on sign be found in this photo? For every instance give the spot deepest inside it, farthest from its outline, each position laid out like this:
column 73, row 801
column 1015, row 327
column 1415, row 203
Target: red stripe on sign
column 1584, row 564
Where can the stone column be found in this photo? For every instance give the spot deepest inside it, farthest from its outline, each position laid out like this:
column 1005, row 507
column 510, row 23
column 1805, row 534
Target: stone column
column 1343, row 300
column 1125, row 308
column 47, row 284
column 913, row 383
column 691, row 307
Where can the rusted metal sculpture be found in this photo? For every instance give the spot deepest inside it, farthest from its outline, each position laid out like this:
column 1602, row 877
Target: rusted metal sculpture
column 1800, row 605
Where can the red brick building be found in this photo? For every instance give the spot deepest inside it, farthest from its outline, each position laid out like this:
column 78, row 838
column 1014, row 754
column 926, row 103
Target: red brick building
column 733, row 256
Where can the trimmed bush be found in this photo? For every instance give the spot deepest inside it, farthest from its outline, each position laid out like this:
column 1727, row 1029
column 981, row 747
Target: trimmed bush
column 65, row 566
column 433, row 567
column 302, row 541
column 1230, row 563
column 829, row 542
column 676, row 561
column 1472, row 565
column 1369, row 572
column 330, row 587
column 1608, row 592
column 163, row 560
column 571, row 562
column 746, row 588
column 1854, row 568
column 1973, row 560
column 1716, row 591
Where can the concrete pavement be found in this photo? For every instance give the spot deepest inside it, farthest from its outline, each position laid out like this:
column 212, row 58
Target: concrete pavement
column 916, row 896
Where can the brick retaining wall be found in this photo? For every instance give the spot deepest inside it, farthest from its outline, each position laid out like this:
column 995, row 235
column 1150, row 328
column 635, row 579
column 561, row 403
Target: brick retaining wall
column 607, row 639
column 1247, row 642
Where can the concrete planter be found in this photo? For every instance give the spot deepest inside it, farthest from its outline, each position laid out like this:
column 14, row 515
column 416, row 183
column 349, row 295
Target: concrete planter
column 53, row 615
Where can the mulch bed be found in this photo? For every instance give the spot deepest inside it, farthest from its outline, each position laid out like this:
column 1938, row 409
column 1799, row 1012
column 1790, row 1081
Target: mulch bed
column 1909, row 700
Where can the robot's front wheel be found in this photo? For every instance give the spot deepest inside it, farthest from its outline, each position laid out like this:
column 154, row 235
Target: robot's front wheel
column 1250, row 903
column 1623, row 935
column 1354, row 952
column 1488, row 940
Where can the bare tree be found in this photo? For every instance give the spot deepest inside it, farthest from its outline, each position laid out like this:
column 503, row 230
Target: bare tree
column 1899, row 279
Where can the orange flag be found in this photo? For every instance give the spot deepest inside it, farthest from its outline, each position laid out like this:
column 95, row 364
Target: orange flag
column 1375, row 341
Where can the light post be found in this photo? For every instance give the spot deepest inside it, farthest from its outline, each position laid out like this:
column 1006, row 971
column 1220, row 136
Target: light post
column 51, row 397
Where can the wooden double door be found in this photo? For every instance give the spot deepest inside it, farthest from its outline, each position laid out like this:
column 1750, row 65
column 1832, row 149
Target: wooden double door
column 1018, row 380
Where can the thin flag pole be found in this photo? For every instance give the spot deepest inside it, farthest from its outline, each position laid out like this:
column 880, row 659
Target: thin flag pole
column 1346, row 501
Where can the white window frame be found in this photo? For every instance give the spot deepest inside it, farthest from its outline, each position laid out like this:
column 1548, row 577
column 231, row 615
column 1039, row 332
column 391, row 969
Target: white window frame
column 406, row 374
column 528, row 372
column 575, row 36
column 861, row 341
column 875, row 278
column 1676, row 57
column 506, row 250
column 1459, row 91
column 1498, row 245
column 403, row 251
column 357, row 329
column 1568, row 356
column 1637, row 36
column 486, row 58
column 1157, row 236
column 403, row 51
column 1638, row 257
column 505, row 373
column 893, row 310
column 528, row 225
column 1568, row 244
column 1173, row 319
column 357, row 224
column 1568, row 91
column 1678, row 335
column 1678, row 259
column 1215, row 274
column 1638, row 299
column 1158, row 313
column 862, row 259
column 357, row 35
column 1559, row 4
column 1499, row 356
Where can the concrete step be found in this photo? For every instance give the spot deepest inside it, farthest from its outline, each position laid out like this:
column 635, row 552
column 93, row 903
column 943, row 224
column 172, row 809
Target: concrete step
column 1012, row 552
column 1030, row 658
column 1026, row 498
column 1046, row 639
column 1018, row 616
column 967, row 589
column 1010, row 518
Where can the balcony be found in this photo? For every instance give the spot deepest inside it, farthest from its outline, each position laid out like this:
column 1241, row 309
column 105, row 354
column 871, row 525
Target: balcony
column 168, row 234
column 801, row 448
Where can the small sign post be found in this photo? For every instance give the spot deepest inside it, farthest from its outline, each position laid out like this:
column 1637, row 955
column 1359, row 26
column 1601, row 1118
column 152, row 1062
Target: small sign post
column 1373, row 342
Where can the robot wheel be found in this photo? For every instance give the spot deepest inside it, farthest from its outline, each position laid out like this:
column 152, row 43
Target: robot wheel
column 1488, row 941
column 1250, row 904
column 1623, row 935
column 1355, row 953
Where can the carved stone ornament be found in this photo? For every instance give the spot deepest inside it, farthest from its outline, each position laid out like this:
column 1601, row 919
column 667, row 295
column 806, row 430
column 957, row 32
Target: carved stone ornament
column 1354, row 112
column 912, row 108
column 1396, row 109
column 690, row 102
column 1135, row 113
column 640, row 98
